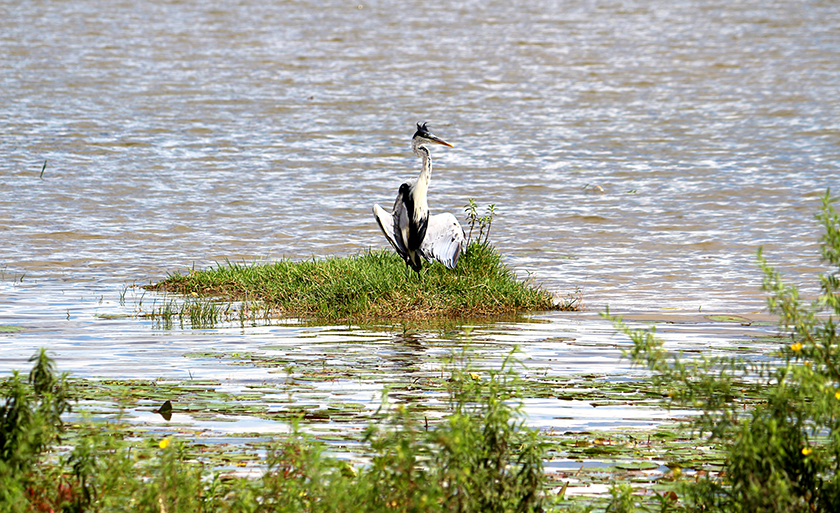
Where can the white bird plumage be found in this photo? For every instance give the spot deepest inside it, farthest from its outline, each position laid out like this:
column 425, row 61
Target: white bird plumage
column 444, row 240
column 409, row 228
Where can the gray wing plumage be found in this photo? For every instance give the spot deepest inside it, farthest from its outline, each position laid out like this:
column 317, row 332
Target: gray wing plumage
column 444, row 240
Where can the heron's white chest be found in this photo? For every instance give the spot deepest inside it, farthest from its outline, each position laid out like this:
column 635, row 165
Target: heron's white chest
column 421, row 204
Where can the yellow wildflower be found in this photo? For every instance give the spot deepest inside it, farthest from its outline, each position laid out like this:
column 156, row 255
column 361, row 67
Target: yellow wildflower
column 164, row 443
column 837, row 394
column 806, row 451
column 796, row 347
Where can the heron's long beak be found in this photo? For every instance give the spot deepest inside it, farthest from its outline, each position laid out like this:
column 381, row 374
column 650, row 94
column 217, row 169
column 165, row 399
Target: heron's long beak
column 439, row 140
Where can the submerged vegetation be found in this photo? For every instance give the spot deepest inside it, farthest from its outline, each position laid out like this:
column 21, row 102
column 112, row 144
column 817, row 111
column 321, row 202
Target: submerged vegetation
column 377, row 285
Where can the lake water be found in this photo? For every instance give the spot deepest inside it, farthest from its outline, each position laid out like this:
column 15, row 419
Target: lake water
column 638, row 152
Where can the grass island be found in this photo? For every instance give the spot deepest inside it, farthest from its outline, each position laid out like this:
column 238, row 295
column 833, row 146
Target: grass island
column 373, row 285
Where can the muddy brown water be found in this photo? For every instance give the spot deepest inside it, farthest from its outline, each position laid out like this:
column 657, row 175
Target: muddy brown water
column 638, row 152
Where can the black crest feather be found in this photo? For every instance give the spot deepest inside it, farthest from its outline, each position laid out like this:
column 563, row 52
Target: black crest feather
column 421, row 130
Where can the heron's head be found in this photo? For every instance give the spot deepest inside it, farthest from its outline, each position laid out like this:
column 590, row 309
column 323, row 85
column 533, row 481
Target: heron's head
column 424, row 135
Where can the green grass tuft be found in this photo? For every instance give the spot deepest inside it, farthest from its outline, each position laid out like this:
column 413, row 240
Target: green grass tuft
column 372, row 285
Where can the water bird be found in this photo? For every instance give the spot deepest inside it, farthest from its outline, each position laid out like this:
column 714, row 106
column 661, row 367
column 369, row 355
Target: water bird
column 408, row 227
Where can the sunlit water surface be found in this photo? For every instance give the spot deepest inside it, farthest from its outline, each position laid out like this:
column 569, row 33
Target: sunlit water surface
column 637, row 153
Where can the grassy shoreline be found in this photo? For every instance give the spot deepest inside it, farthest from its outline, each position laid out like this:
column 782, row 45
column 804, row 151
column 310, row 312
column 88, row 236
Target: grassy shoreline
column 373, row 285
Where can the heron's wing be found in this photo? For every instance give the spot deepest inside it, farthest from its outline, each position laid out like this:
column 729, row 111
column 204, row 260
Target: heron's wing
column 395, row 224
column 401, row 220
column 444, row 240
column 396, row 227
column 388, row 224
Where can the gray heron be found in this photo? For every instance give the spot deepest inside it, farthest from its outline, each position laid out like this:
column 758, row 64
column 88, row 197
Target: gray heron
column 409, row 228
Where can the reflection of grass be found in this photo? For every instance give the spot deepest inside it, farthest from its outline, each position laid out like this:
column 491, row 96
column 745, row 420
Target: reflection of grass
column 373, row 285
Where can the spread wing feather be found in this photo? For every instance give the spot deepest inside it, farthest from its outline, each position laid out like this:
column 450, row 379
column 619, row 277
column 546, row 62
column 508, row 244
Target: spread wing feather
column 444, row 240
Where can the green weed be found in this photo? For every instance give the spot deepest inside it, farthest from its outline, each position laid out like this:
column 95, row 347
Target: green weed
column 777, row 418
column 30, row 423
column 484, row 222
column 480, row 458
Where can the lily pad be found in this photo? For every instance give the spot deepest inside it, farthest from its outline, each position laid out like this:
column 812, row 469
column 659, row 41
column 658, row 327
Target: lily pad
column 637, row 465
column 729, row 318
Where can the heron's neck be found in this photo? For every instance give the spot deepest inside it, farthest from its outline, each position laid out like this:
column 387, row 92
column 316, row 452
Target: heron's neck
column 426, row 171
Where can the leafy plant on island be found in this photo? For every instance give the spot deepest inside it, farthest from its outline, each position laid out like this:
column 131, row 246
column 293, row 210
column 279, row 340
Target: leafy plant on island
column 484, row 222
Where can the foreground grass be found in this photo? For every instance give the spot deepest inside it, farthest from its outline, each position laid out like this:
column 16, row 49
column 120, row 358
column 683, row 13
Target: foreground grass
column 373, row 285
column 481, row 457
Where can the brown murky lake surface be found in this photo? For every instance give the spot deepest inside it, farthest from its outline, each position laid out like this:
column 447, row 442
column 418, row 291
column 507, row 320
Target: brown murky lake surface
column 637, row 152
